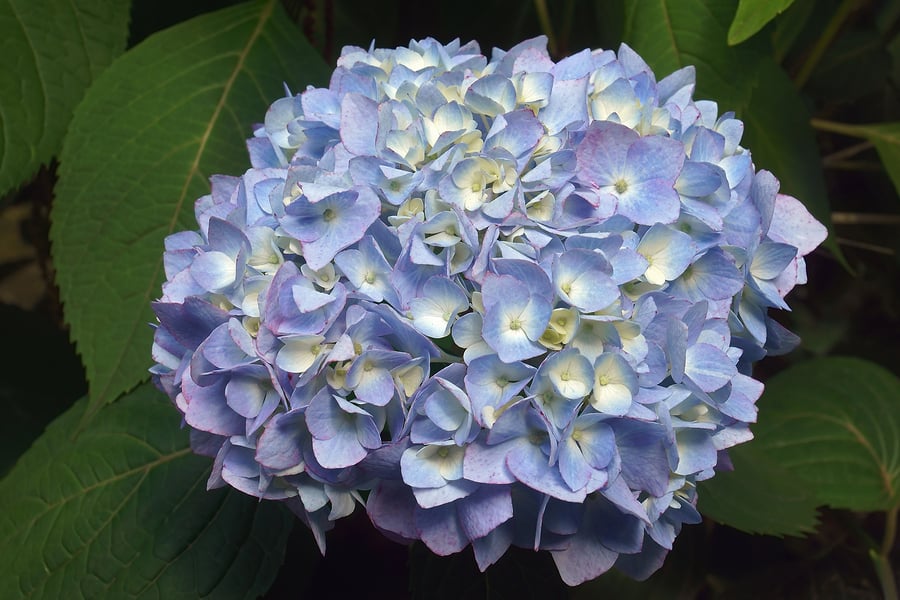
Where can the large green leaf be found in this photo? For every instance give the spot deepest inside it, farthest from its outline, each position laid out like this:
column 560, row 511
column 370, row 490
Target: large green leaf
column 671, row 34
column 168, row 114
column 52, row 50
column 752, row 15
column 834, row 423
column 735, row 497
column 123, row 512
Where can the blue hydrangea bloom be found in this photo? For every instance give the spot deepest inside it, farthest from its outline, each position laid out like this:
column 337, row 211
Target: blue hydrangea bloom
column 498, row 301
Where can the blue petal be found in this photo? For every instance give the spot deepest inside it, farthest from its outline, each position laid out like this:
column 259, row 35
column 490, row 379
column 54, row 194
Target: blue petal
column 359, row 124
column 581, row 278
column 485, row 510
column 439, row 529
column 601, row 155
column 708, row 367
column 326, row 227
column 421, row 468
column 530, row 466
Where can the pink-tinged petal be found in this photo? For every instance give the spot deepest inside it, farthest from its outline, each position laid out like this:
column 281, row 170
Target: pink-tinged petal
column 485, row 510
column 487, row 464
column 439, row 529
column 490, row 548
column 601, row 155
column 792, row 224
column 359, row 124
column 584, row 559
column 391, row 507
column 654, row 158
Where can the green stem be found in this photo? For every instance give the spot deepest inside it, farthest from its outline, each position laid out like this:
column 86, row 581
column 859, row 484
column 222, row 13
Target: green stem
column 882, row 559
column 841, row 128
column 824, row 41
column 546, row 26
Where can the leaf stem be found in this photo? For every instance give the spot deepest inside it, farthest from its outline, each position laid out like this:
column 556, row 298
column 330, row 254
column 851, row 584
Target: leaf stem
column 882, row 559
column 824, row 41
column 546, row 26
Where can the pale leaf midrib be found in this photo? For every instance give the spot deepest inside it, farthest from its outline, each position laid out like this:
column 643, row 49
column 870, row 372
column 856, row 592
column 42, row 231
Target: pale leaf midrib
column 885, row 472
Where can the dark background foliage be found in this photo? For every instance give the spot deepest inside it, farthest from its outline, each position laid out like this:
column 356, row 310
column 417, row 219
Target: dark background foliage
column 832, row 64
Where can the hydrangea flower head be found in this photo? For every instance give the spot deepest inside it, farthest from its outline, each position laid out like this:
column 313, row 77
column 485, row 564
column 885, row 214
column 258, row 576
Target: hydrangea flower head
column 504, row 301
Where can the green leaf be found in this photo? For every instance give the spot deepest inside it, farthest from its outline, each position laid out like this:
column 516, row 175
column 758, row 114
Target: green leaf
column 53, row 50
column 778, row 133
column 671, row 34
column 123, row 512
column 168, row 114
column 734, row 497
column 834, row 423
column 752, row 15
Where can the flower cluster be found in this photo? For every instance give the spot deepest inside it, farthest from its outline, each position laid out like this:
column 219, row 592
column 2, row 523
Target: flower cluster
column 505, row 301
